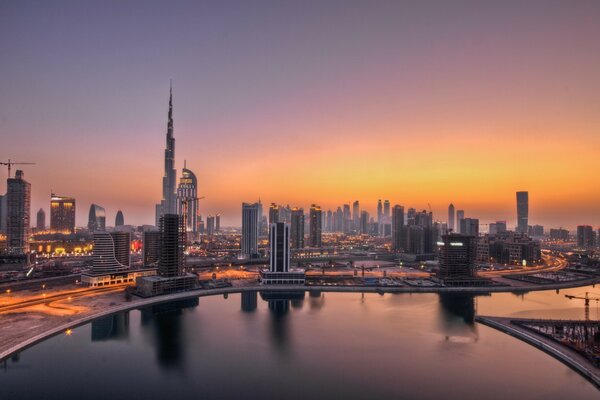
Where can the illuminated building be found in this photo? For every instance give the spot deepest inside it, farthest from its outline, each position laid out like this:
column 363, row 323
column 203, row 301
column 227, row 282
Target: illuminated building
column 457, row 258
column 469, row 226
column 18, row 204
column 62, row 214
column 297, row 228
column 451, row 216
column 273, row 214
column 168, row 203
column 460, row 215
column 586, row 237
column 151, row 247
column 96, row 218
column 279, row 258
column 315, row 226
column 522, row 211
column 398, row 230
column 249, row 244
column 119, row 219
column 508, row 247
column 187, row 196
column 41, row 220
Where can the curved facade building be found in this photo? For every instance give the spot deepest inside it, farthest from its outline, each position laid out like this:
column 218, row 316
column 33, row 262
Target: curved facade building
column 96, row 218
column 187, row 196
column 106, row 248
column 119, row 219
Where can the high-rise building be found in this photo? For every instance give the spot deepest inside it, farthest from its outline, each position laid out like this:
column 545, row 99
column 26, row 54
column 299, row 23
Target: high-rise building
column 364, row 223
column 168, row 203
column 297, row 228
column 398, row 240
column 172, row 229
column 410, row 216
column 497, row 227
column 187, row 200
column 96, row 218
column 537, row 231
column 218, row 223
column 347, row 222
column 119, row 219
column 273, row 214
column 356, row 216
column 469, row 227
column 151, row 247
column 559, row 234
column 122, row 241
column 62, row 214
column 460, row 215
column 315, row 226
column 451, row 216
column 18, row 204
column 41, row 220
column 586, row 237
column 3, row 212
column 279, row 242
column 457, row 257
column 379, row 214
column 386, row 209
column 249, row 245
column 339, row 220
column 210, row 225
column 522, row 211
column 329, row 223
column 104, row 257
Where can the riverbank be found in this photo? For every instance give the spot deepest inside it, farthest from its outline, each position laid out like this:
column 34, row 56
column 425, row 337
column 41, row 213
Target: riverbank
column 15, row 340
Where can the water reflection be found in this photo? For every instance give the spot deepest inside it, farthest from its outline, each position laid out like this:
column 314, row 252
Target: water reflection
column 457, row 314
column 249, row 301
column 115, row 327
column 279, row 307
column 166, row 324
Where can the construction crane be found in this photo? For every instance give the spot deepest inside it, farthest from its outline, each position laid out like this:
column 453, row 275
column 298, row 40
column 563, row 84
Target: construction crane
column 10, row 163
column 587, row 299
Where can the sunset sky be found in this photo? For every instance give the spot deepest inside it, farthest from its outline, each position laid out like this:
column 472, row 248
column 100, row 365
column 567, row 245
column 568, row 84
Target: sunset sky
column 301, row 102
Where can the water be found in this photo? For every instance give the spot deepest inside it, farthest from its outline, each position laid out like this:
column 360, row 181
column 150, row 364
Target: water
column 320, row 345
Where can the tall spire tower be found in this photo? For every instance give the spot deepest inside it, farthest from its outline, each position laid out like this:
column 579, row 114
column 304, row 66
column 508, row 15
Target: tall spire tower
column 168, row 204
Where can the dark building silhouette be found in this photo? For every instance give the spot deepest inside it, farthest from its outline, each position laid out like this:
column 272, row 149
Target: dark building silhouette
column 457, row 258
column 119, row 220
column 41, row 220
column 522, row 211
column 18, row 204
column 96, row 218
column 151, row 243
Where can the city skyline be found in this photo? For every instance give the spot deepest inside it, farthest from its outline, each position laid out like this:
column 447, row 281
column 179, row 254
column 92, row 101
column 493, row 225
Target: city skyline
column 474, row 129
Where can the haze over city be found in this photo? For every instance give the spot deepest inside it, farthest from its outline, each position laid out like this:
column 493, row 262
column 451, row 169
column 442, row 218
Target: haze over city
column 300, row 103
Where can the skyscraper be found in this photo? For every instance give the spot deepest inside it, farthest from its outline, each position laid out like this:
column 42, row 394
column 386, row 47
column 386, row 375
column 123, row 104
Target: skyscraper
column 279, row 242
column 151, row 247
column 457, row 257
column 386, row 210
column 3, row 213
column 168, row 203
column 249, row 244
column 460, row 215
column 297, row 228
column 62, row 214
column 398, row 230
column 347, row 222
column 379, row 215
column 187, row 199
column 210, row 225
column 451, row 217
column 96, row 218
column 104, row 259
column 356, row 216
column 364, row 223
column 522, row 211
column 18, row 204
column 172, row 229
column 119, row 219
column 273, row 214
column 469, row 227
column 315, row 226
column 218, row 223
column 41, row 220
column 586, row 237
column 122, row 242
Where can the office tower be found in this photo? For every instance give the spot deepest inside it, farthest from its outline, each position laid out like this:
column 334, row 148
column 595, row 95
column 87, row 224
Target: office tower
column 356, row 216
column 315, row 226
column 398, row 240
column 423, row 218
column 122, row 242
column 457, row 257
column 187, row 200
column 18, row 204
column 151, row 247
column 386, row 210
column 586, row 237
column 62, row 214
column 379, row 213
column 329, row 223
column 497, row 227
column 104, row 257
column 410, row 216
column 469, row 227
column 415, row 239
column 451, row 216
column 210, row 225
column 559, row 234
column 218, row 223
column 339, row 220
column 297, row 228
column 41, row 220
column 119, row 219
column 522, row 211
column 168, row 203
column 249, row 244
column 3, row 213
column 460, row 215
column 172, row 229
column 273, row 214
column 96, row 218
column 364, row 223
column 279, row 242
column 347, row 221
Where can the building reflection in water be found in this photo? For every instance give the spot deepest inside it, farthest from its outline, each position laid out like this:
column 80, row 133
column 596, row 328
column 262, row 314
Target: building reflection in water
column 457, row 314
column 113, row 327
column 316, row 300
column 279, row 306
column 249, row 301
column 165, row 323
